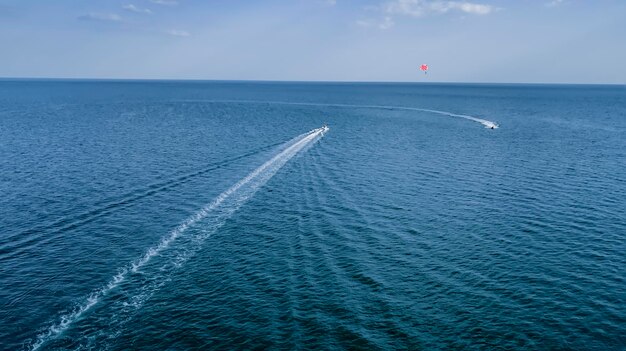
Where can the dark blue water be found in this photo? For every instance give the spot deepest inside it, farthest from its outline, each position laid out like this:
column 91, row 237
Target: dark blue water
column 167, row 215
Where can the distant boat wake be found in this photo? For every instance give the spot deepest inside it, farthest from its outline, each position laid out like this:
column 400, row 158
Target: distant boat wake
column 142, row 278
column 484, row 122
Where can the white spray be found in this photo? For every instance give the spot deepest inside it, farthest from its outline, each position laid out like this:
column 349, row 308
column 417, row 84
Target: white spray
column 219, row 210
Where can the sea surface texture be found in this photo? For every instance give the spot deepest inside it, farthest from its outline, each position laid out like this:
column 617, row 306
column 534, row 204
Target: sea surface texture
column 164, row 215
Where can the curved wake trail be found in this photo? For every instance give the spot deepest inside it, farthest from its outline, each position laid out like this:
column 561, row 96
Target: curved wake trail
column 173, row 250
column 484, row 122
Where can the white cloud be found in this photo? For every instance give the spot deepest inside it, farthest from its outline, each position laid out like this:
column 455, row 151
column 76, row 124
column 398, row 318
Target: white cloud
column 417, row 8
column 364, row 23
column 554, row 3
column 178, row 33
column 467, row 7
column 386, row 23
column 133, row 8
column 165, row 2
column 97, row 16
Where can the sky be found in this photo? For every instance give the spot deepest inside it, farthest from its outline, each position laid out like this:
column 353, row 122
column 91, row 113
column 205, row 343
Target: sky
column 483, row 41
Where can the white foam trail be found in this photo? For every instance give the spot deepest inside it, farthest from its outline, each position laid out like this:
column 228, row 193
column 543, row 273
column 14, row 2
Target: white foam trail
column 486, row 123
column 224, row 206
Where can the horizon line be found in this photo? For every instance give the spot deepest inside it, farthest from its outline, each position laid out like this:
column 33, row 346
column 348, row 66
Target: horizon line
column 199, row 80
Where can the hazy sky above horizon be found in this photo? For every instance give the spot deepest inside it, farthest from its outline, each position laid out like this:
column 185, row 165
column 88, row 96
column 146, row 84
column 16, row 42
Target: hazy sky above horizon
column 542, row 41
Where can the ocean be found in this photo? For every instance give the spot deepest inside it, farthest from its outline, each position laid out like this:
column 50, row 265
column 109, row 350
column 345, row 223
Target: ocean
column 176, row 215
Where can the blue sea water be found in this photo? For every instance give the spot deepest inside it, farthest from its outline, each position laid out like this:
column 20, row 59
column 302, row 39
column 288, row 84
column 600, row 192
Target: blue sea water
column 214, row 215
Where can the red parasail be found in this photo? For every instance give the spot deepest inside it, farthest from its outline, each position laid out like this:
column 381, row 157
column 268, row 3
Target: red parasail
column 424, row 68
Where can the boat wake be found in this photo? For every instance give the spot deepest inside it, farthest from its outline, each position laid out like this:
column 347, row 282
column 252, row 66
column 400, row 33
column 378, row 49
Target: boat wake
column 17, row 244
column 484, row 122
column 142, row 278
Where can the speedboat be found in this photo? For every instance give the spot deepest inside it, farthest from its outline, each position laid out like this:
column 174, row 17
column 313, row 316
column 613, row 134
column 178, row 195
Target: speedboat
column 324, row 128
